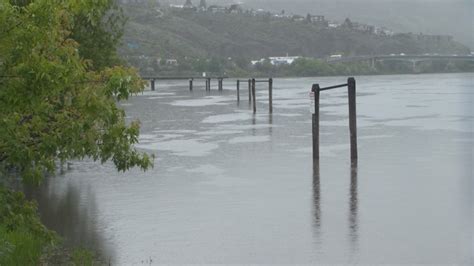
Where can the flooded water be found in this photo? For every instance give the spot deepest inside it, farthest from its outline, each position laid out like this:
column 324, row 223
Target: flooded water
column 232, row 187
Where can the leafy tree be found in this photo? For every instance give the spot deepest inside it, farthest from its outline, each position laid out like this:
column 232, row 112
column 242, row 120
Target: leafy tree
column 54, row 104
column 98, row 26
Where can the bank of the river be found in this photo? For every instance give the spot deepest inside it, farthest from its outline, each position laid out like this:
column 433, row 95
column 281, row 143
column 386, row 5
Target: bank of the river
column 307, row 67
column 256, row 74
column 24, row 240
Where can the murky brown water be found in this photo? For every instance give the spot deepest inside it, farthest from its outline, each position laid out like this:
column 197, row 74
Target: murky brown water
column 231, row 187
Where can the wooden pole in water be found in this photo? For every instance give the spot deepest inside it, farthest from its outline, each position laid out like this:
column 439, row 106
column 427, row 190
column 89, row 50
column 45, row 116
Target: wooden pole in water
column 220, row 84
column 352, row 117
column 270, row 96
column 254, row 99
column 250, row 91
column 152, row 82
column 315, row 90
column 238, row 90
column 190, row 84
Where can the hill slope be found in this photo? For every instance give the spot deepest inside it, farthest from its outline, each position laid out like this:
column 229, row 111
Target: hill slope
column 179, row 34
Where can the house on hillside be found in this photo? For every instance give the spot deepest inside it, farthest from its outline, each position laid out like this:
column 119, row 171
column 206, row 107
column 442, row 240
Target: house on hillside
column 318, row 20
column 217, row 9
column 298, row 18
column 283, row 60
column 171, row 62
column 277, row 61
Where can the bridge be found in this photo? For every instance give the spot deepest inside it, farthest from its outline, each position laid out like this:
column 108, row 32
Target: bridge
column 412, row 58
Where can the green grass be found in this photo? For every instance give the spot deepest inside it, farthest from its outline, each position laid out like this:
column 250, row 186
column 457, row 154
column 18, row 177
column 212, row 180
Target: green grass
column 23, row 237
column 82, row 257
column 20, row 247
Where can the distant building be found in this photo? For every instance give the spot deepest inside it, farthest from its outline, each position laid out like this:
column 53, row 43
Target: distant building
column 318, row 20
column 363, row 28
column 434, row 38
column 283, row 60
column 217, row 9
column 277, row 61
column 298, row 18
column 172, row 62
column 176, row 6
column 254, row 62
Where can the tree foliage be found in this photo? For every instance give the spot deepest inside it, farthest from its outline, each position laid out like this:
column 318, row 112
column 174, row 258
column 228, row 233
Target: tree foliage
column 98, row 27
column 56, row 105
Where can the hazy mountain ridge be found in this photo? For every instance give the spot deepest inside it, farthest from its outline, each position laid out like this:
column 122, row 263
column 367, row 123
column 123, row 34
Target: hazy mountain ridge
column 180, row 34
column 446, row 17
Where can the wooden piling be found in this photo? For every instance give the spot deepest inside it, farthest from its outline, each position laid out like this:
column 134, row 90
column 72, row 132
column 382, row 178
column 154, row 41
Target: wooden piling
column 352, row 117
column 250, row 91
column 208, row 84
column 152, row 83
column 220, row 83
column 270, row 95
column 238, row 90
column 254, row 98
column 315, row 90
column 190, row 84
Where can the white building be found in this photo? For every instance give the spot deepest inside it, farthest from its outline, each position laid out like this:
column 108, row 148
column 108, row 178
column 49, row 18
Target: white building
column 277, row 61
column 283, row 60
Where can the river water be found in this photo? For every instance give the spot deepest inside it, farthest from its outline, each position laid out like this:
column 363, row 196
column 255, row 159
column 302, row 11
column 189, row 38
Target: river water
column 232, row 187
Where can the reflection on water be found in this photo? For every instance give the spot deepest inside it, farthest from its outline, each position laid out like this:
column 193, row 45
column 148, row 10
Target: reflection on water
column 353, row 203
column 270, row 123
column 71, row 211
column 316, row 199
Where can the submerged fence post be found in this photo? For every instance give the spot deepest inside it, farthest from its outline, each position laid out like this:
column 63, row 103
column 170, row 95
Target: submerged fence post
column 191, row 84
column 250, row 91
column 220, row 84
column 152, row 83
column 352, row 117
column 270, row 96
column 254, row 100
column 238, row 90
column 315, row 90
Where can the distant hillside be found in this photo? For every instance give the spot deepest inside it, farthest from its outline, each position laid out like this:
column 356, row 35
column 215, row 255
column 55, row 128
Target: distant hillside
column 447, row 17
column 179, row 34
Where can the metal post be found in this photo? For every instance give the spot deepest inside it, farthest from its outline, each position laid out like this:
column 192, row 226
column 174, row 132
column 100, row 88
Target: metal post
column 190, row 84
column 238, row 90
column 152, row 84
column 254, row 99
column 315, row 90
column 270, row 96
column 352, row 117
